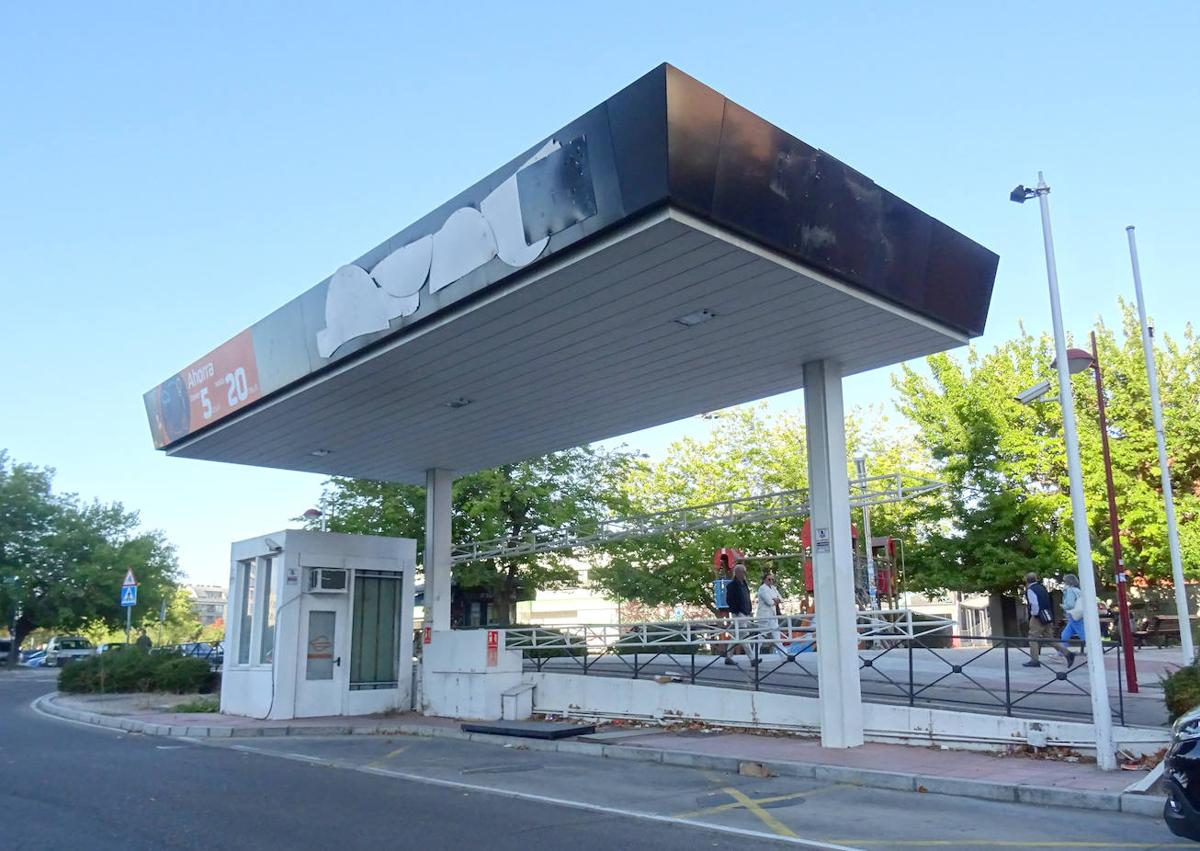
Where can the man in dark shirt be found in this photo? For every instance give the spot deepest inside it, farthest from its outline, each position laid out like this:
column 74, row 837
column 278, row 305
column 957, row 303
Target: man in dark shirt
column 740, row 612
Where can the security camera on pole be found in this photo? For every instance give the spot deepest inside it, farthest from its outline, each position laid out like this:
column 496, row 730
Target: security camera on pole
column 1101, row 713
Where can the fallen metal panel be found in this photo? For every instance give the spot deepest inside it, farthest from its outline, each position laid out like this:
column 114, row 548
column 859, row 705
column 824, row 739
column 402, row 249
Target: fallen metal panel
column 530, row 729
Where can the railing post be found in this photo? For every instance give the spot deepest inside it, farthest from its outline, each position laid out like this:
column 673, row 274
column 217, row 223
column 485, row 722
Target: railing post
column 912, row 688
column 1120, row 685
column 1007, row 680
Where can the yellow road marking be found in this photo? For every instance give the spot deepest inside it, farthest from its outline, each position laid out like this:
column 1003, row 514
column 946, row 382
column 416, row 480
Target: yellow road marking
column 737, row 805
column 763, row 816
column 375, row 763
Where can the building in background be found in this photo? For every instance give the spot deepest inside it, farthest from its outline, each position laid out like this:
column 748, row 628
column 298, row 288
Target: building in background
column 209, row 602
column 577, row 604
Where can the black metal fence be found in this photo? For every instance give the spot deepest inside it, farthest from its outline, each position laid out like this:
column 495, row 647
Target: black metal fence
column 977, row 673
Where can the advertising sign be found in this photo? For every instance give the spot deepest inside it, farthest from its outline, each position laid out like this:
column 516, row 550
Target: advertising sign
column 204, row 392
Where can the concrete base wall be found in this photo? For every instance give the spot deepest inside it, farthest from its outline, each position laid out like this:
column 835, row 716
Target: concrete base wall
column 457, row 680
column 607, row 697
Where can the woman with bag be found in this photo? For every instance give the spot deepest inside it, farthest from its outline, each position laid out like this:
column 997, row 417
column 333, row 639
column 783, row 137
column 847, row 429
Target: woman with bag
column 1072, row 603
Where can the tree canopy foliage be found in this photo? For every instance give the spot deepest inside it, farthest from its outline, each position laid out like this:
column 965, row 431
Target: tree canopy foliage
column 62, row 561
column 1007, row 510
column 571, row 488
column 750, row 452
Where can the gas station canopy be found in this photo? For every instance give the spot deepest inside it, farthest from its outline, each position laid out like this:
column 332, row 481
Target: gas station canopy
column 665, row 254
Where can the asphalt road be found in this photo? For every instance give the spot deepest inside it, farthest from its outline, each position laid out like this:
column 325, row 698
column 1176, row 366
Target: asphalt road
column 76, row 787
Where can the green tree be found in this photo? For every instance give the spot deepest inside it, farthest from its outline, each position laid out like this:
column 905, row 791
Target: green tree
column 1007, row 510
column 63, row 561
column 1135, row 452
column 576, row 487
column 748, row 453
column 1003, row 511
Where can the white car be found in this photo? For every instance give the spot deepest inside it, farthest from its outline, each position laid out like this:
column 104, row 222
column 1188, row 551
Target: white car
column 67, row 648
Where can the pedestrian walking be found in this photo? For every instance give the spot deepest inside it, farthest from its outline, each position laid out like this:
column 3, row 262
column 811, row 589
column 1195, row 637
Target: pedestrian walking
column 1072, row 603
column 143, row 641
column 1041, row 620
column 768, row 610
column 739, row 598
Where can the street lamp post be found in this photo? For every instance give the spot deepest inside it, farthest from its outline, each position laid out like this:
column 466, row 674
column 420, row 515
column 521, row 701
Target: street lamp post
column 1077, row 361
column 1101, row 713
column 1114, row 528
column 1181, row 602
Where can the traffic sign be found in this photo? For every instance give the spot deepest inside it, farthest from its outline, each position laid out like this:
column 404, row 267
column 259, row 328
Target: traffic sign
column 129, row 579
column 128, row 595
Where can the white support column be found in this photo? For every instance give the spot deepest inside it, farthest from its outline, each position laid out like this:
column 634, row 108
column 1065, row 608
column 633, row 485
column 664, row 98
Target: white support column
column 437, row 548
column 833, row 558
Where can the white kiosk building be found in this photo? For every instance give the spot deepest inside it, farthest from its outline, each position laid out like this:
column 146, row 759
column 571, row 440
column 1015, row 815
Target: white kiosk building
column 319, row 624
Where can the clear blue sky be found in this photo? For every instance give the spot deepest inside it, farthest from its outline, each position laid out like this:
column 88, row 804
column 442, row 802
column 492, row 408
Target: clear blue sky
column 171, row 172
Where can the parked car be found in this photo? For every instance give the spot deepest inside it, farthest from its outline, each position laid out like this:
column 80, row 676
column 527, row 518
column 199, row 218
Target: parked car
column 63, row 649
column 110, row 646
column 214, row 652
column 35, row 659
column 1181, row 777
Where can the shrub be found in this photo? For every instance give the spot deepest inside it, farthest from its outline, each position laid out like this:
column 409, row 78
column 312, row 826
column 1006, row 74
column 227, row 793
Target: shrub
column 1181, row 690
column 632, row 642
column 577, row 646
column 199, row 704
column 136, row 671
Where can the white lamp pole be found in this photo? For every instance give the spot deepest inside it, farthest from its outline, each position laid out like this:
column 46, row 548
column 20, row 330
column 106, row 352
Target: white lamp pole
column 1181, row 602
column 1101, row 713
column 860, row 464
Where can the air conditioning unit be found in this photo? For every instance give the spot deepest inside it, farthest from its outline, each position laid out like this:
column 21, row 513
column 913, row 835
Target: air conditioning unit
column 328, row 580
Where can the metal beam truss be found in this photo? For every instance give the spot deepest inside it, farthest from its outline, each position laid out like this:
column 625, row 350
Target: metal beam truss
column 871, row 491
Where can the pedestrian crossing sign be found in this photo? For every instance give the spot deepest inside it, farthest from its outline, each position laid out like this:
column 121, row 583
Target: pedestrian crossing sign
column 129, row 595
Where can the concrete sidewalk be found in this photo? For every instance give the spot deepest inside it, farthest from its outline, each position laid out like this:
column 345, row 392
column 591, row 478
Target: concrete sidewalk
column 1013, row 778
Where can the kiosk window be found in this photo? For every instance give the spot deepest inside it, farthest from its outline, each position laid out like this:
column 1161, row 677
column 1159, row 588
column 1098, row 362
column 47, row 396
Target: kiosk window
column 245, row 602
column 266, row 649
column 374, row 635
column 322, row 627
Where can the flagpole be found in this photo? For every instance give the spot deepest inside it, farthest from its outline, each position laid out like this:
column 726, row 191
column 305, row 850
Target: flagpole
column 1181, row 602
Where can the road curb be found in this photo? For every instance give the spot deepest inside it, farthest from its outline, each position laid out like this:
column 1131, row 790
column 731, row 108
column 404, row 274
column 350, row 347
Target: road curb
column 1082, row 799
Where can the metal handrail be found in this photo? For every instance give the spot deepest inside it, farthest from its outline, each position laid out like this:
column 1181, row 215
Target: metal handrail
column 874, row 626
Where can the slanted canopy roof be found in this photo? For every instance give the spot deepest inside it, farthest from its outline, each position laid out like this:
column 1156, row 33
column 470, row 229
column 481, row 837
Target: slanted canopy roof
column 665, row 254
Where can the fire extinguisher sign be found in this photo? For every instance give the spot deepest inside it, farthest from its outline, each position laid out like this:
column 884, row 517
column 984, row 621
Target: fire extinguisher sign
column 493, row 647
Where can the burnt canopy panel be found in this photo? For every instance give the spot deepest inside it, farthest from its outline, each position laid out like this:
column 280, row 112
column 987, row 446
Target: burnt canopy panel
column 737, row 170
column 664, row 153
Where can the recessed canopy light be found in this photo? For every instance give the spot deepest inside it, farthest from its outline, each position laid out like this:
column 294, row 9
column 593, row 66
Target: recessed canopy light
column 697, row 318
column 460, row 402
column 320, row 453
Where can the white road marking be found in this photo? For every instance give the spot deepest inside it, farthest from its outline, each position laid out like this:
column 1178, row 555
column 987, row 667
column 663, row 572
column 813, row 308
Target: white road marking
column 546, row 799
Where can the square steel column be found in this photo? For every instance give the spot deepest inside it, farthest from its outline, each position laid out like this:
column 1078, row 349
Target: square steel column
column 833, row 558
column 437, row 548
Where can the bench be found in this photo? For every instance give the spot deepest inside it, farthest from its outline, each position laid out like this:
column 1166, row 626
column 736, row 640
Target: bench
column 1160, row 627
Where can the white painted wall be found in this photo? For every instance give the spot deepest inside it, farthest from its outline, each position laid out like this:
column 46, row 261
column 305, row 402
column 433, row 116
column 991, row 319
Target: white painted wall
column 456, row 680
column 610, row 697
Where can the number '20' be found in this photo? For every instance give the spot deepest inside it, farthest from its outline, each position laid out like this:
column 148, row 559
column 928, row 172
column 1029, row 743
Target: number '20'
column 235, row 385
